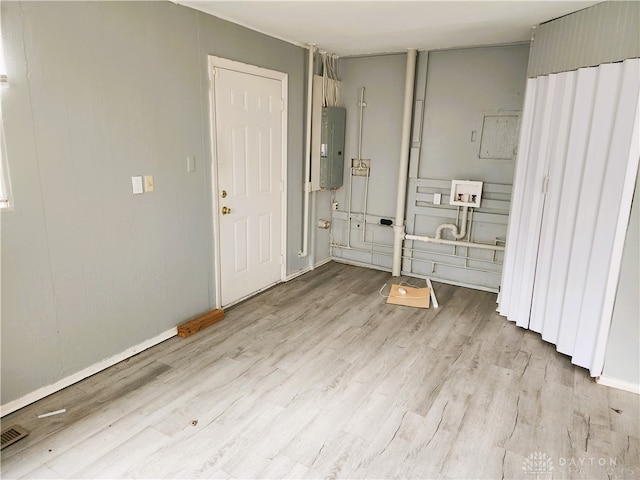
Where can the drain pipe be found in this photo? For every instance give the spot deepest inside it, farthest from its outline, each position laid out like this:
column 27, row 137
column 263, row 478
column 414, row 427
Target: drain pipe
column 454, row 228
column 307, row 155
column 398, row 226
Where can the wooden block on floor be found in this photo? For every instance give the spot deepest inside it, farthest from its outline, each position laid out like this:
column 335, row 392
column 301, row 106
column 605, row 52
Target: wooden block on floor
column 203, row 321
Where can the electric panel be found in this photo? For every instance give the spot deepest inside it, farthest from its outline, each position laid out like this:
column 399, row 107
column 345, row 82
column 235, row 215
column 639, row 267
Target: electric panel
column 332, row 128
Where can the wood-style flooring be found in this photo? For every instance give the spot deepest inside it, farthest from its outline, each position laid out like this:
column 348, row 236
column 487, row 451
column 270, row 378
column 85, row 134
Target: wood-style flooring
column 320, row 378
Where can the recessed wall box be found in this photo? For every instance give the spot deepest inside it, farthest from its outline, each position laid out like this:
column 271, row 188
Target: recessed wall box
column 465, row 193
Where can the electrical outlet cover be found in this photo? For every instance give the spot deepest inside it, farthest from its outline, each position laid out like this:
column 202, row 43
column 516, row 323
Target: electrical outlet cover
column 136, row 185
column 148, row 183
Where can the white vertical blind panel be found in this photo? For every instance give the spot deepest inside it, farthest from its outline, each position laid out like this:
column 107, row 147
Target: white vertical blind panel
column 506, row 299
column 596, row 139
column 526, row 212
column 558, row 172
column 608, row 238
column 561, row 267
column 535, row 202
column 581, row 92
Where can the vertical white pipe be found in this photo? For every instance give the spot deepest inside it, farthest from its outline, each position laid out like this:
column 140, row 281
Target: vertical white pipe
column 403, row 170
column 361, row 105
column 314, row 235
column 307, row 155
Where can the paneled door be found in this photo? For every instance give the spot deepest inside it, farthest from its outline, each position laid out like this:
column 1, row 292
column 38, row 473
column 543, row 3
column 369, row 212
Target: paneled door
column 248, row 114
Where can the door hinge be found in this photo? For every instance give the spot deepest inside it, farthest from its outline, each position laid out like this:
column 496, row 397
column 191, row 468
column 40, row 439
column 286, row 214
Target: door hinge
column 214, row 71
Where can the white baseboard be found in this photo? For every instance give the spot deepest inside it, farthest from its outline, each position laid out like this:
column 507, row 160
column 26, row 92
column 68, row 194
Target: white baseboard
column 42, row 392
column 322, row 262
column 619, row 384
column 355, row 263
column 297, row 274
column 307, row 269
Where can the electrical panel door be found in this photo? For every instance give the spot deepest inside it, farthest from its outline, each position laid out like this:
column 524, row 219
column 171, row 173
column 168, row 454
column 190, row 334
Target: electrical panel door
column 332, row 147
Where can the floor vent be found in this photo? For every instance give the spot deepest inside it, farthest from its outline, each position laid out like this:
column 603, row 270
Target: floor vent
column 13, row 434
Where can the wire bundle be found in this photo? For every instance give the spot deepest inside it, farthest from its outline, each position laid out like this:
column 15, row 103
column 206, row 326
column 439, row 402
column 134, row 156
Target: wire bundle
column 330, row 82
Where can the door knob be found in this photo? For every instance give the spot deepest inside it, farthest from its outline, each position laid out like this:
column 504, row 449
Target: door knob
column 226, row 210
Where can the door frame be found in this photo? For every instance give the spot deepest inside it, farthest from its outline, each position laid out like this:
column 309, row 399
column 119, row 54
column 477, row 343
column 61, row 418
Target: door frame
column 219, row 62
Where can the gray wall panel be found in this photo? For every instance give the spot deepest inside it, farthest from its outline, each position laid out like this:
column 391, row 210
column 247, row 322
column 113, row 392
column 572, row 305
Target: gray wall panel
column 461, row 86
column 99, row 92
column 605, row 33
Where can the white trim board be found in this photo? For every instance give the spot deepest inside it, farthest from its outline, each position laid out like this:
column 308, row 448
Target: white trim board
column 42, row 392
column 299, row 273
column 619, row 384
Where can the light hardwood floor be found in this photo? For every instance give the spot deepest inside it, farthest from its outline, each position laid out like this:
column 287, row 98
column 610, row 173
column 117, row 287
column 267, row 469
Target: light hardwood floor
column 319, row 378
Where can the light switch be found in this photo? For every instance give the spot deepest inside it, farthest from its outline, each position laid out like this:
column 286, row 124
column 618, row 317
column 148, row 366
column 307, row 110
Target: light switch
column 136, row 184
column 148, row 183
column 437, row 197
column 191, row 164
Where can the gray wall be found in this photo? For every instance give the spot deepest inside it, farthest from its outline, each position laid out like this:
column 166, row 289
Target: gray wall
column 101, row 91
column 605, row 33
column 622, row 360
column 458, row 88
column 462, row 86
column 383, row 79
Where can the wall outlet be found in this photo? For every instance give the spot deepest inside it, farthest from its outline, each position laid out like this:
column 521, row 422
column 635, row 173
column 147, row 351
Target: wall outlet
column 136, row 185
column 191, row 164
column 334, row 206
column 148, row 183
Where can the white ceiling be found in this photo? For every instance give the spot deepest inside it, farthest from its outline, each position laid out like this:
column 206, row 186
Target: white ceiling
column 356, row 27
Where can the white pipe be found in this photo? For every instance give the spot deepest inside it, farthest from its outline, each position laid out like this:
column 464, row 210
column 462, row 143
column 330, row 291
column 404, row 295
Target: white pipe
column 312, row 246
column 454, row 228
column 458, row 243
column 434, row 300
column 307, row 155
column 349, row 207
column 361, row 105
column 413, row 259
column 403, row 170
column 364, row 214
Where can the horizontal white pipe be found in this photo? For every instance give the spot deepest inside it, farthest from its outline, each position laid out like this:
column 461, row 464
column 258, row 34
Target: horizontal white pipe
column 413, row 259
column 442, row 241
column 431, row 240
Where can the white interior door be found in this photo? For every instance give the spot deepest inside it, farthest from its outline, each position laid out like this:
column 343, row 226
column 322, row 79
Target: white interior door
column 248, row 113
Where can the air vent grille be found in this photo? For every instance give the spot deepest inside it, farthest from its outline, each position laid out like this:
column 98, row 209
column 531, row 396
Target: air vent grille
column 12, row 435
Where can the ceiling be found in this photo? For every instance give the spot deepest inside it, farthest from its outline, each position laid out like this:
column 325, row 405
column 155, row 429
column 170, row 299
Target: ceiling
column 351, row 28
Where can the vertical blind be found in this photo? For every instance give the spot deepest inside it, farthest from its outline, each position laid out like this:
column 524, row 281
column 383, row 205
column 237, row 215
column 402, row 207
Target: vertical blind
column 573, row 188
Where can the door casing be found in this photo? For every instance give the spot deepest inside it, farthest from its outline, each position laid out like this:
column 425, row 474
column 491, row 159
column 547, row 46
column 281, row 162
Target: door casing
column 218, row 62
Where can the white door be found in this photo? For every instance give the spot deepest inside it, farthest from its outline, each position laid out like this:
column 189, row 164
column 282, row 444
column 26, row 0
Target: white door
column 248, row 113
